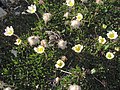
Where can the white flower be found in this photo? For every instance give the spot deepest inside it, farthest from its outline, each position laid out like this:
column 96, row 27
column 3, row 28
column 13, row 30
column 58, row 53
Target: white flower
column 47, row 17
column 101, row 40
column 117, row 48
column 18, row 41
column 79, row 16
column 31, row 9
column 62, row 44
column 33, row 40
column 40, row 49
column 66, row 15
column 59, row 64
column 112, row 34
column 104, row 26
column 75, row 23
column 93, row 71
column 9, row 31
column 74, row 87
column 8, row 88
column 109, row 55
column 77, row 48
column 70, row 3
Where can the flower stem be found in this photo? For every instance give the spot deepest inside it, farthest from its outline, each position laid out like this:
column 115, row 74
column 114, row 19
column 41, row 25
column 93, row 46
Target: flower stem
column 45, row 8
column 26, row 1
column 38, row 19
column 65, row 72
column 16, row 35
column 46, row 55
column 37, row 16
column 99, row 81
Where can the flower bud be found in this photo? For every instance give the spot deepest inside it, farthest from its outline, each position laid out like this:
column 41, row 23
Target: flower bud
column 43, row 43
column 57, row 79
column 74, row 87
column 75, row 24
column 47, row 17
column 33, row 40
column 62, row 44
column 66, row 15
column 64, row 58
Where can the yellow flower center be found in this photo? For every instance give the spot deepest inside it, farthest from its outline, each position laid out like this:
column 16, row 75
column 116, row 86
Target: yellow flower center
column 40, row 49
column 109, row 56
column 77, row 48
column 19, row 40
column 102, row 40
column 10, row 32
column 32, row 10
column 112, row 35
column 71, row 3
column 79, row 17
column 104, row 26
column 60, row 63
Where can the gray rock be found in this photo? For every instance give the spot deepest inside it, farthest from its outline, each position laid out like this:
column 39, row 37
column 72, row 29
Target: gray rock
column 2, row 12
column 1, row 84
column 12, row 1
column 8, row 1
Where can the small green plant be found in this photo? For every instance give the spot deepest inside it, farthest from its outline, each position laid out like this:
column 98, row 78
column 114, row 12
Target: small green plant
column 56, row 45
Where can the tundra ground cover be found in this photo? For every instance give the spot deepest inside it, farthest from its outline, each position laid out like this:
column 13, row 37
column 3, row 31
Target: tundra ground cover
column 53, row 44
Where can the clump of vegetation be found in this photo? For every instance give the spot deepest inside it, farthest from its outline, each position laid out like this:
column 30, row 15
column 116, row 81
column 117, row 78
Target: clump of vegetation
column 56, row 45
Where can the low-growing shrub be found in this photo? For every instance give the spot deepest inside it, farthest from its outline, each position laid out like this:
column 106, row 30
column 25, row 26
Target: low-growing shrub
column 52, row 44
